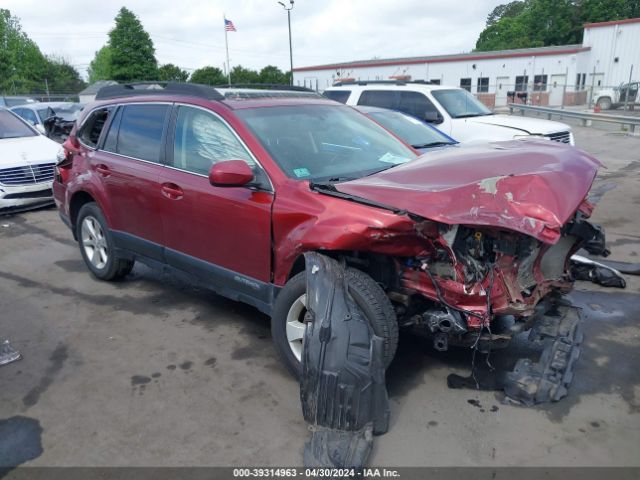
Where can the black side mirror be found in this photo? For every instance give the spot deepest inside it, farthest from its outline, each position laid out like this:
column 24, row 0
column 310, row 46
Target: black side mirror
column 432, row 117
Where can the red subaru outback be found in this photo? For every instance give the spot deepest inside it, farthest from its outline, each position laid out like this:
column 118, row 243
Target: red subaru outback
column 235, row 186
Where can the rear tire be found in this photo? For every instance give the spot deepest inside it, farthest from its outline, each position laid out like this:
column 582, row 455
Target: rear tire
column 97, row 246
column 287, row 328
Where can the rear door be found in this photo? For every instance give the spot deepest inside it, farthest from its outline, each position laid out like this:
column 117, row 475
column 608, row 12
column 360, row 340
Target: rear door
column 223, row 233
column 129, row 165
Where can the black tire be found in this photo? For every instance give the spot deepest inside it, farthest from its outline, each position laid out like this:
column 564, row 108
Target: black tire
column 605, row 103
column 369, row 296
column 115, row 266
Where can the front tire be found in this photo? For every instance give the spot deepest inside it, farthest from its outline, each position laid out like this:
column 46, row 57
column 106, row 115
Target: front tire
column 287, row 327
column 604, row 103
column 97, row 245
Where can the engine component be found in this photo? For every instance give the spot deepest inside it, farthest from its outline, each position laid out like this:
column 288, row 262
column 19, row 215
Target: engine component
column 444, row 320
column 342, row 388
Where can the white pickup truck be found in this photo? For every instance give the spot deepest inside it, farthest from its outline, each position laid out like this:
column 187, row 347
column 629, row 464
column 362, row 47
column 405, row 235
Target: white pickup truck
column 609, row 98
column 453, row 110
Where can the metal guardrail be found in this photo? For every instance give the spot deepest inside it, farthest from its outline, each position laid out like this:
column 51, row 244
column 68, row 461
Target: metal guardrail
column 586, row 117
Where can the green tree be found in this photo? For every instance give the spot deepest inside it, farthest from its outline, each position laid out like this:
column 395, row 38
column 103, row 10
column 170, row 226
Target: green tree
column 271, row 74
column 239, row 74
column 171, row 73
column 131, row 50
column 62, row 77
column 100, row 66
column 208, row 76
column 22, row 65
column 535, row 23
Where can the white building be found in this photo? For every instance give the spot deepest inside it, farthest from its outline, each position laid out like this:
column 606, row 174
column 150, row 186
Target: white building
column 560, row 75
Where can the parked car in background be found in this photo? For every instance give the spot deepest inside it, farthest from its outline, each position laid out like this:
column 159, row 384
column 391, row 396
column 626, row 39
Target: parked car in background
column 420, row 135
column 453, row 110
column 27, row 159
column 54, row 119
column 612, row 98
column 12, row 101
column 236, row 190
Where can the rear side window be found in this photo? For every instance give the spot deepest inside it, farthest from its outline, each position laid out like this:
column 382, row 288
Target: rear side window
column 140, row 132
column 92, row 128
column 338, row 95
column 416, row 104
column 379, row 98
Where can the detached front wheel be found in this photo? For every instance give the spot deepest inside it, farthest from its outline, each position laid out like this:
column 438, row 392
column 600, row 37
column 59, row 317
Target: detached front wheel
column 287, row 320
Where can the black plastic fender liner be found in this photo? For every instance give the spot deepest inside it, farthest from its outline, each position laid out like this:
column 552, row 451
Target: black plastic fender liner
column 342, row 388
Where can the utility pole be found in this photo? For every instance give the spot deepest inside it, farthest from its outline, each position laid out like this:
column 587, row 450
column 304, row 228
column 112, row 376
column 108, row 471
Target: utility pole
column 46, row 85
column 288, row 9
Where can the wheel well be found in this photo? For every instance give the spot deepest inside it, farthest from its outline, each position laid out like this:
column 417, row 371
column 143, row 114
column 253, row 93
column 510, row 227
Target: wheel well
column 77, row 201
column 379, row 267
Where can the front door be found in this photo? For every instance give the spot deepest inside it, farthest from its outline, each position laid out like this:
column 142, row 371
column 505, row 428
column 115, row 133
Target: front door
column 557, row 89
column 221, row 233
column 502, row 87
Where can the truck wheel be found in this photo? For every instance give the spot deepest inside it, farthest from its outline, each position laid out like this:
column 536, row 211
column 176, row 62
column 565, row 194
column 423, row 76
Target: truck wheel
column 287, row 327
column 604, row 103
column 97, row 246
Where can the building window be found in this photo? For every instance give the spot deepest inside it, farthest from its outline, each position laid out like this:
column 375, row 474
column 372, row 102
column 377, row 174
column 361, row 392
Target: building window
column 521, row 83
column 540, row 83
column 578, row 77
column 483, row 84
column 584, row 79
column 465, row 83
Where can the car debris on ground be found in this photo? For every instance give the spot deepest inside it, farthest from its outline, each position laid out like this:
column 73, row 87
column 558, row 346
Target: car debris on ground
column 342, row 388
column 8, row 354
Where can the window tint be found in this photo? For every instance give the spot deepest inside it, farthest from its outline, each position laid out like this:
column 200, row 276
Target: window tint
column 465, row 83
column 140, row 133
column 379, row 98
column 92, row 128
column 416, row 104
column 338, row 95
column 202, row 139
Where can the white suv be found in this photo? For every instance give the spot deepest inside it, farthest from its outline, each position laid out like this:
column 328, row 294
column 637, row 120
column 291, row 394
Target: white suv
column 453, row 110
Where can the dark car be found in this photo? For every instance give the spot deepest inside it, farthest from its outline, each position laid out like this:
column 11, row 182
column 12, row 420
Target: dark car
column 235, row 190
column 420, row 135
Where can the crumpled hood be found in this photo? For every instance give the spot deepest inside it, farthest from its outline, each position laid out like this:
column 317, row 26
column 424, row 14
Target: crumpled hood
column 525, row 124
column 532, row 186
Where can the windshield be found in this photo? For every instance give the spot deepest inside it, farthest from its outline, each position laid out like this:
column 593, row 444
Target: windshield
column 459, row 103
column 325, row 142
column 12, row 127
column 411, row 130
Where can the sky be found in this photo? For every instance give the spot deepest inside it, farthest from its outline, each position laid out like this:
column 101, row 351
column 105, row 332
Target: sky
column 190, row 33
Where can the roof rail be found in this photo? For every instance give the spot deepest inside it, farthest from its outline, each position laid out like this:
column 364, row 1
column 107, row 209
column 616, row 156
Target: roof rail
column 267, row 86
column 383, row 82
column 159, row 88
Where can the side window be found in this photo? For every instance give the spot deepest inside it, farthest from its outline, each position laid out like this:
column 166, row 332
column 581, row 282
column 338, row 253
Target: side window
column 28, row 115
column 416, row 104
column 379, row 98
column 202, row 139
column 338, row 95
column 92, row 128
column 466, row 84
column 140, row 132
column 111, row 141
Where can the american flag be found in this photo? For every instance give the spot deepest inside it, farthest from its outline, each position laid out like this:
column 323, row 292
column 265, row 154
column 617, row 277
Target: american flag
column 229, row 26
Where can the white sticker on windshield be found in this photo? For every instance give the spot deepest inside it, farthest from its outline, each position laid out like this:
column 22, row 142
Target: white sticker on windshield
column 391, row 158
